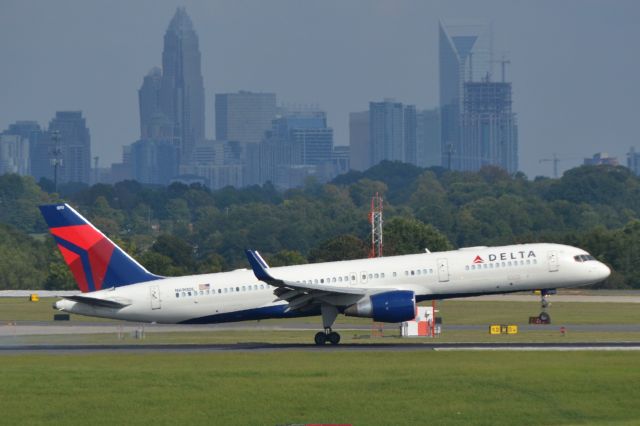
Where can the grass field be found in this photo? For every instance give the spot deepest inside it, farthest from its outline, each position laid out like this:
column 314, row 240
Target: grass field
column 372, row 388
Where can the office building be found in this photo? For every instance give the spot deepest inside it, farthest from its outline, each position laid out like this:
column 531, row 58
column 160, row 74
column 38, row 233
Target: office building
column 428, row 142
column 359, row 142
column 489, row 132
column 244, row 116
column 14, row 154
column 386, row 131
column 154, row 161
column 154, row 122
column 69, row 134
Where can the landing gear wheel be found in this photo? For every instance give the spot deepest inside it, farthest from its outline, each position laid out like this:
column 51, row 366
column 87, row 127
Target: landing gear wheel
column 334, row 338
column 544, row 317
column 321, row 338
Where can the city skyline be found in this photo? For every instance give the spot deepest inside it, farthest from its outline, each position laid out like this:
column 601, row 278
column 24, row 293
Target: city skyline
column 545, row 53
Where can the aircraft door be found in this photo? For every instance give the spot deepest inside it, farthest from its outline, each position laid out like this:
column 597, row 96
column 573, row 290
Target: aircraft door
column 552, row 258
column 443, row 270
column 154, row 293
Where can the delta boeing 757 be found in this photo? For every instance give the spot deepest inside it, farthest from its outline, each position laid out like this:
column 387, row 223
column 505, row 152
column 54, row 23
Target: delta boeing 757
column 386, row 289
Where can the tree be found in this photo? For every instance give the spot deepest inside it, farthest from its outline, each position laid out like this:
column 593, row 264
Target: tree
column 404, row 235
column 342, row 247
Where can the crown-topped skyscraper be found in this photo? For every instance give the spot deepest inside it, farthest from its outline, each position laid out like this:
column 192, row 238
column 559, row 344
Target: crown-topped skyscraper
column 178, row 93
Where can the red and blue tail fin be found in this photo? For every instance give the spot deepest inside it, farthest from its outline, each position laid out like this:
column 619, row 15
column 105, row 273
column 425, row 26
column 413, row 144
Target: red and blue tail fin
column 94, row 260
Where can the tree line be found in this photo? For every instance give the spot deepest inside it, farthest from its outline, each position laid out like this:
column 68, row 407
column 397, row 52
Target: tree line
column 182, row 229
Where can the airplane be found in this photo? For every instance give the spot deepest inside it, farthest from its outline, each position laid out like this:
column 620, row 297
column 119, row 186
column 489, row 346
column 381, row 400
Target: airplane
column 386, row 289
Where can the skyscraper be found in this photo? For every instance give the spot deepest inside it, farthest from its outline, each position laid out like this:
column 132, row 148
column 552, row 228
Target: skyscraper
column 465, row 54
column 489, row 132
column 154, row 122
column 428, row 140
column 359, row 142
column 386, row 131
column 74, row 144
column 244, row 116
column 181, row 87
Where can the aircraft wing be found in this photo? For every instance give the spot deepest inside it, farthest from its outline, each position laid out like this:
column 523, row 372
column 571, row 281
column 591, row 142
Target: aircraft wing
column 301, row 296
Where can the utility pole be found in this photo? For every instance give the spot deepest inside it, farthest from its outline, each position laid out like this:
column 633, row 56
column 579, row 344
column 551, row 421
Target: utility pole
column 449, row 154
column 56, row 161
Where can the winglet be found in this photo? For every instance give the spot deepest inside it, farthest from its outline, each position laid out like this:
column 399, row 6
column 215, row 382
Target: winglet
column 259, row 266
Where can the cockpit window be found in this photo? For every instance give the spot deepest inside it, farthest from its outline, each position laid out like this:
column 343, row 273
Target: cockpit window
column 583, row 258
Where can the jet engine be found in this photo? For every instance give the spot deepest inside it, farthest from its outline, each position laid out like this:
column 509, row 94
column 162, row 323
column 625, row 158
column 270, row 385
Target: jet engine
column 390, row 306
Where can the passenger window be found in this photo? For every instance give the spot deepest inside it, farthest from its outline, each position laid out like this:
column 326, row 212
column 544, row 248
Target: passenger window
column 535, row 261
column 473, row 267
column 261, row 286
column 504, row 264
column 412, row 272
column 370, row 276
column 406, row 273
column 382, row 275
column 237, row 288
column 201, row 292
column 321, row 280
column 376, row 276
column 395, row 274
column 189, row 293
column 333, row 280
column 528, row 262
column 177, row 295
column 339, row 279
column 219, row 290
column 353, row 277
column 466, row 267
column 486, row 266
column 364, row 277
column 184, row 294
column 417, row 271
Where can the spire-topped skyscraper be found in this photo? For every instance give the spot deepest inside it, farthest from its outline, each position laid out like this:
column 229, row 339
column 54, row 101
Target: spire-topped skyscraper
column 180, row 89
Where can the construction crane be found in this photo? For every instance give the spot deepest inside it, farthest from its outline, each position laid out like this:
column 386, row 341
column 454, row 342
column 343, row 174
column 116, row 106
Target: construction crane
column 555, row 160
column 503, row 64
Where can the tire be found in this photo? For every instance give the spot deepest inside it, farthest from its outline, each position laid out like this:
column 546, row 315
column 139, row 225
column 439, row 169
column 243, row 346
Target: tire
column 320, row 338
column 334, row 338
column 545, row 317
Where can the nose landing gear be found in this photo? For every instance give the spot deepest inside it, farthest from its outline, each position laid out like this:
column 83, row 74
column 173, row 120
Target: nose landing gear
column 544, row 317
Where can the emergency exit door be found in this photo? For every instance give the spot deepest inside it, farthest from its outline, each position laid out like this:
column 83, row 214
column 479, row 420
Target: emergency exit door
column 155, row 297
column 552, row 258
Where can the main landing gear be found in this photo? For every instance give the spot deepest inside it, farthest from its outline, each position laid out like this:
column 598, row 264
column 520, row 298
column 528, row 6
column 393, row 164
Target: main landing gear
column 327, row 335
column 329, row 314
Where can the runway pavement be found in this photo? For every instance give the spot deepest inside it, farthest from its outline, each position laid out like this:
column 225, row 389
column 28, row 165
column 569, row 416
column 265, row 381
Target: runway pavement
column 41, row 328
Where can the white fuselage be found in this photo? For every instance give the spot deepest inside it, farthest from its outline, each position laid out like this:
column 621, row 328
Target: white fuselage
column 238, row 295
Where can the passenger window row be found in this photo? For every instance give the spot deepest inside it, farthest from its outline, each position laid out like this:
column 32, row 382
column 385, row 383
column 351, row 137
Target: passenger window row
column 365, row 276
column 225, row 290
column 497, row 265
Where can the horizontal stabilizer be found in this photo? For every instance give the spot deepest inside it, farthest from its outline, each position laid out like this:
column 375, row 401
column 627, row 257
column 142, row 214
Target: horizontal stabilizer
column 93, row 301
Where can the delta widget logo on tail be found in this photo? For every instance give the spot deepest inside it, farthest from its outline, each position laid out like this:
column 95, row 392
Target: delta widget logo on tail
column 87, row 252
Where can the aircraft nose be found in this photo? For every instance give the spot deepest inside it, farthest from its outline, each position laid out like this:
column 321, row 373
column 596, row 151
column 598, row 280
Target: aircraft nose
column 603, row 271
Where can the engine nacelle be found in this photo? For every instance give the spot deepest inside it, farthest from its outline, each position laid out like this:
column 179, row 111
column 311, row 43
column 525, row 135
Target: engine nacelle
column 391, row 306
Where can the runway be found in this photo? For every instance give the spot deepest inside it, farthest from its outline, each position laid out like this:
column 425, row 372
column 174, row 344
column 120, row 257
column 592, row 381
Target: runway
column 278, row 347
column 36, row 328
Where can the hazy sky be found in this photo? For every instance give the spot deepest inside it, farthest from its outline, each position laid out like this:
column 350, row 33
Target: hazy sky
column 575, row 64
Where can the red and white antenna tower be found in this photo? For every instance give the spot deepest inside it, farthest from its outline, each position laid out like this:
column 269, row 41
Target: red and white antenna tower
column 375, row 218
